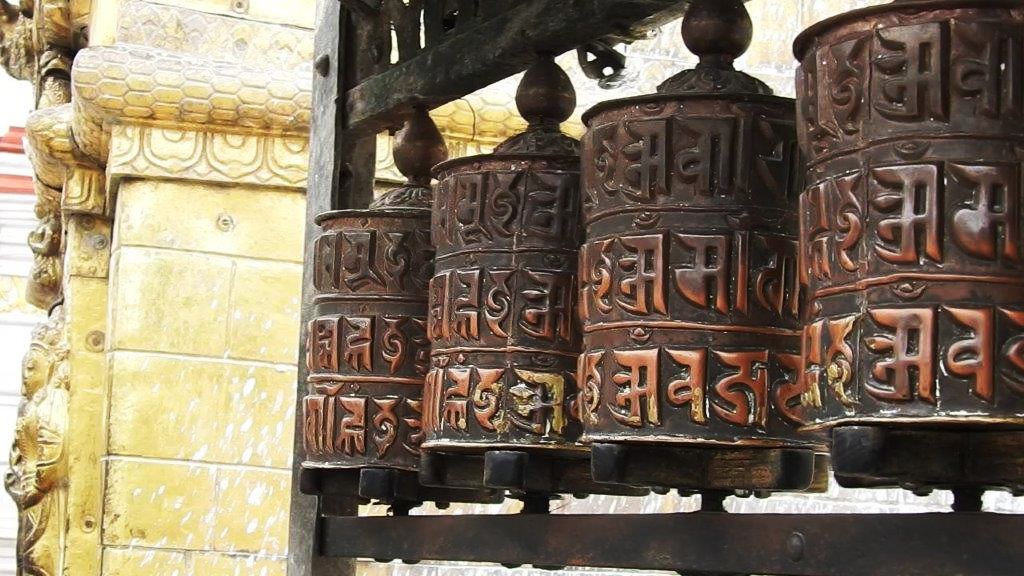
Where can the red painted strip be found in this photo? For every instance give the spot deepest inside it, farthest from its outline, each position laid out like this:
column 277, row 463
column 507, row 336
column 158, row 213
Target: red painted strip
column 17, row 184
column 13, row 141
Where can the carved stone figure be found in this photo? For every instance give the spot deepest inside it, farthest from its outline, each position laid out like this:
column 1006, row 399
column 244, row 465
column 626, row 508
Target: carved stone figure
column 37, row 479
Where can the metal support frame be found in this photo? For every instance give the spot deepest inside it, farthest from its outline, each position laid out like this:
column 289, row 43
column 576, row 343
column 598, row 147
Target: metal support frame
column 964, row 544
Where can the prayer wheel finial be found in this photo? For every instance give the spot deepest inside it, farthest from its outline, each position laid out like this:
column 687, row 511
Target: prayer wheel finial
column 545, row 98
column 418, row 147
column 718, row 32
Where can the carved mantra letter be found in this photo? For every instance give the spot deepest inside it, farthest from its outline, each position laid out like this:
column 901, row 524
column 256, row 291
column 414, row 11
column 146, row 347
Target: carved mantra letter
column 322, row 350
column 358, row 250
column 456, row 399
column 498, row 302
column 707, row 281
column 589, row 377
column 638, row 387
column 994, row 209
column 908, row 365
column 394, row 343
column 689, row 386
column 466, row 307
column 777, row 287
column 314, row 424
column 644, row 274
column 746, row 391
column 385, row 423
column 1013, row 352
column 646, row 163
column 438, row 326
column 788, row 393
column 358, row 339
column 596, row 277
column 911, row 193
column 911, row 64
column 971, row 357
column 487, row 397
column 469, row 207
column 414, row 438
column 548, row 315
column 352, row 429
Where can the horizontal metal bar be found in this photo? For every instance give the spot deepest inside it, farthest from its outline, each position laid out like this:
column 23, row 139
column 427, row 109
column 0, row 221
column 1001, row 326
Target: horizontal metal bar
column 496, row 49
column 960, row 544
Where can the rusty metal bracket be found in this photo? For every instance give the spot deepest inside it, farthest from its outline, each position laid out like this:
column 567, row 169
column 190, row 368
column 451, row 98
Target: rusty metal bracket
column 942, row 544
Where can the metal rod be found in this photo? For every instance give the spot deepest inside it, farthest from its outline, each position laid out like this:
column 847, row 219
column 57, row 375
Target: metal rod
column 964, row 544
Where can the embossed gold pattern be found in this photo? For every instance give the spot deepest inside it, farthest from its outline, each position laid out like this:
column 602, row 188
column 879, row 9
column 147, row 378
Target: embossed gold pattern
column 37, row 480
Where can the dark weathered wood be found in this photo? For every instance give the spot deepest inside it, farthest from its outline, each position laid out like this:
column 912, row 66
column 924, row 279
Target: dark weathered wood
column 921, row 458
column 496, row 48
column 963, row 544
column 304, row 558
column 705, row 468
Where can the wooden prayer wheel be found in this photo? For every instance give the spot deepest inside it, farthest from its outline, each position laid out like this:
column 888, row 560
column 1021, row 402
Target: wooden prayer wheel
column 689, row 285
column 504, row 340
column 911, row 117
column 367, row 348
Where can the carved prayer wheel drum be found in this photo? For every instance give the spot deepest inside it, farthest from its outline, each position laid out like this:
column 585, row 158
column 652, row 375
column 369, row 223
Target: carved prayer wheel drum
column 689, row 290
column 501, row 319
column 911, row 116
column 367, row 349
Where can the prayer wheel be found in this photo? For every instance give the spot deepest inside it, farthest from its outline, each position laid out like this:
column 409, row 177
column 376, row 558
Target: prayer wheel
column 504, row 340
column 367, row 347
column 911, row 117
column 689, row 285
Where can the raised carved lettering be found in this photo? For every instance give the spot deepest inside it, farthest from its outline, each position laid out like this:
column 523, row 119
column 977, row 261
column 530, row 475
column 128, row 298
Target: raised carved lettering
column 907, row 367
column 637, row 395
column 743, row 395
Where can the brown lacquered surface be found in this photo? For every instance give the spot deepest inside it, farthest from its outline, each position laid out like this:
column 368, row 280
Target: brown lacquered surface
column 689, row 291
column 368, row 350
column 504, row 340
column 913, row 124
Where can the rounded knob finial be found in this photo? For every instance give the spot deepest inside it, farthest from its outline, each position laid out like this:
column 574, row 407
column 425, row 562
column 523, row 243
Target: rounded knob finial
column 545, row 93
column 418, row 147
column 717, row 31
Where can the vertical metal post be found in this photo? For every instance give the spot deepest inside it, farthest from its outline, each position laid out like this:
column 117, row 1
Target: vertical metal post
column 330, row 179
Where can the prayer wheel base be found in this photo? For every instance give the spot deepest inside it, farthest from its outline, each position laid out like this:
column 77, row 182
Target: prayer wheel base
column 708, row 469
column 399, row 488
column 519, row 471
column 922, row 459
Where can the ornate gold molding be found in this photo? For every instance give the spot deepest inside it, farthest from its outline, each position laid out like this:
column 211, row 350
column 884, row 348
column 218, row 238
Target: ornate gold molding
column 37, row 479
column 185, row 31
column 117, row 84
column 159, row 152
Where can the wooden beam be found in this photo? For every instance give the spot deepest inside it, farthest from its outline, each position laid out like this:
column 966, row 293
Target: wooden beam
column 495, row 49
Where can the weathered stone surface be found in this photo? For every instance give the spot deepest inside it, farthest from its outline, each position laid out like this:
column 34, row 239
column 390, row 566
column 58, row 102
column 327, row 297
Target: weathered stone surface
column 252, row 511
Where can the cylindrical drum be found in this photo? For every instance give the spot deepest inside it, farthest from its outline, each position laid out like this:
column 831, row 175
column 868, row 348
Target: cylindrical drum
column 368, row 351
column 501, row 303
column 911, row 116
column 689, row 289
